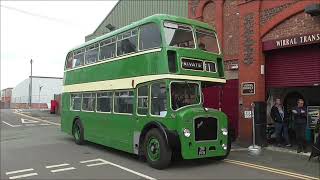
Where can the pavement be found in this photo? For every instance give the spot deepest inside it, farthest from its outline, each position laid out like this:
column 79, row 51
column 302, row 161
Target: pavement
column 33, row 147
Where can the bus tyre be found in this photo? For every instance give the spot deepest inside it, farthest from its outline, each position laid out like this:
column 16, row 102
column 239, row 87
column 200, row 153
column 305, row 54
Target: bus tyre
column 156, row 150
column 219, row 158
column 77, row 132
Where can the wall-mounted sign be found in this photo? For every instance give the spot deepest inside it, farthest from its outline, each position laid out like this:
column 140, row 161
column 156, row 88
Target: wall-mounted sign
column 192, row 64
column 247, row 114
column 291, row 41
column 248, row 88
column 313, row 114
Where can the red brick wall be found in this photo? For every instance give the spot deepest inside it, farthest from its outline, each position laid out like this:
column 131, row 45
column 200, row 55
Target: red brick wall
column 301, row 23
column 230, row 30
column 241, row 36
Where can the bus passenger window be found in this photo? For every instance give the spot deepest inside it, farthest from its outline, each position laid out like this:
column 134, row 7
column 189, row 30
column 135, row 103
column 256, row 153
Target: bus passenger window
column 123, row 102
column 69, row 61
column 91, row 55
column 158, row 99
column 127, row 43
column 88, row 101
column 149, row 36
column 107, row 49
column 75, row 103
column 104, row 102
column 178, row 35
column 78, row 59
column 143, row 100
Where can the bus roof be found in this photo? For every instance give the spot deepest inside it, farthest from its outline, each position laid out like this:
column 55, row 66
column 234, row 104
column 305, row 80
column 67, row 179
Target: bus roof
column 153, row 18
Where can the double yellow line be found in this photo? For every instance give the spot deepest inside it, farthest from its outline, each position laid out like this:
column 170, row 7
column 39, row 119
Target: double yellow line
column 276, row 171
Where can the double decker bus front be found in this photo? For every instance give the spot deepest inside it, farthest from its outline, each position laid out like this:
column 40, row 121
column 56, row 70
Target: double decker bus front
column 202, row 132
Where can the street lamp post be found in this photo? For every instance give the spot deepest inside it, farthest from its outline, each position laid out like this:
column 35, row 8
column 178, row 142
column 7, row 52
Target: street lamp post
column 30, row 88
column 40, row 87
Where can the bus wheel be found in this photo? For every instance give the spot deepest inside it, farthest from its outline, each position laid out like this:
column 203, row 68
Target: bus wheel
column 77, row 132
column 156, row 150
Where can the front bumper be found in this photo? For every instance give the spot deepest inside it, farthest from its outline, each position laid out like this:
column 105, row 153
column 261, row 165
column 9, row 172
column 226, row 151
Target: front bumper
column 191, row 149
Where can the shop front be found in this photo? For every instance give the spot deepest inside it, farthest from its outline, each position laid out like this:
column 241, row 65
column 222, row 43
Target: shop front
column 292, row 72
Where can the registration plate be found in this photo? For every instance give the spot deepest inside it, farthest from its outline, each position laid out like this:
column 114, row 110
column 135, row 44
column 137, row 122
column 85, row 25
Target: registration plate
column 202, row 151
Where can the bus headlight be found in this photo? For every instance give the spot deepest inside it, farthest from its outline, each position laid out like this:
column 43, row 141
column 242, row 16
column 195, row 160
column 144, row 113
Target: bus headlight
column 224, row 147
column 186, row 132
column 224, row 131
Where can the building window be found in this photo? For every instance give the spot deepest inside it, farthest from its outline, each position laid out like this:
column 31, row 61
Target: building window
column 123, row 102
column 75, row 102
column 143, row 100
column 107, row 49
column 158, row 99
column 104, row 102
column 149, row 36
column 78, row 58
column 88, row 101
column 91, row 55
column 127, row 42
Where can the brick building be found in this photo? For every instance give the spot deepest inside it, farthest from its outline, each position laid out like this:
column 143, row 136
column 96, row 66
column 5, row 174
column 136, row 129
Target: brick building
column 273, row 44
column 6, row 98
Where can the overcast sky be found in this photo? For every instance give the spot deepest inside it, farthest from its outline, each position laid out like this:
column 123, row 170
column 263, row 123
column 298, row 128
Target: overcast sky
column 44, row 31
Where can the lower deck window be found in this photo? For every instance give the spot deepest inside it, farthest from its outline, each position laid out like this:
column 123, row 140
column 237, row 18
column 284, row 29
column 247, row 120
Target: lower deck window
column 104, row 102
column 75, row 102
column 123, row 102
column 88, row 101
column 158, row 99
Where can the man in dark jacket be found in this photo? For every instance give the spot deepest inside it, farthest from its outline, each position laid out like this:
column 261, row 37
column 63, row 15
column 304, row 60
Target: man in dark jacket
column 281, row 122
column 300, row 123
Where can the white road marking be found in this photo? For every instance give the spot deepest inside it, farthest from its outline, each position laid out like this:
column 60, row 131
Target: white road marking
column 118, row 166
column 93, row 160
column 11, row 124
column 44, row 124
column 19, row 171
column 97, row 164
column 45, row 121
column 30, row 124
column 64, row 169
column 23, row 175
column 27, row 121
column 57, row 165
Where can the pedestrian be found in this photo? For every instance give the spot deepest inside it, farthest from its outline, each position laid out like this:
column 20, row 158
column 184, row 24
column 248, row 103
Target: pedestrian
column 300, row 123
column 281, row 122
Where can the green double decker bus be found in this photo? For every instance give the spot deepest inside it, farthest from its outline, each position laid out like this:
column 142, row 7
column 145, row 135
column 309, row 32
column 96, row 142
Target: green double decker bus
column 139, row 89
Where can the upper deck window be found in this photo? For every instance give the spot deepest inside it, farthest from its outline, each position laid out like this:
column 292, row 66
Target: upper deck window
column 149, row 36
column 78, row 58
column 107, row 48
column 178, row 35
column 127, row 42
column 69, row 61
column 91, row 55
column 207, row 41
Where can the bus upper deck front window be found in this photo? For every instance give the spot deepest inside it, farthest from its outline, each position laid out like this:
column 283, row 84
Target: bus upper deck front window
column 178, row 35
column 207, row 41
column 184, row 94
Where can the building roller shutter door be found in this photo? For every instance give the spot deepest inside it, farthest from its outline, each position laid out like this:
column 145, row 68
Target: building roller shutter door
column 293, row 67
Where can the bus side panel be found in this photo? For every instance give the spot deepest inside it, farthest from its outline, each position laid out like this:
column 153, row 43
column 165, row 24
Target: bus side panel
column 66, row 114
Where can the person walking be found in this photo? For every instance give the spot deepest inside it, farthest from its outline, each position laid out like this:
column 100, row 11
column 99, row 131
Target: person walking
column 281, row 122
column 300, row 123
